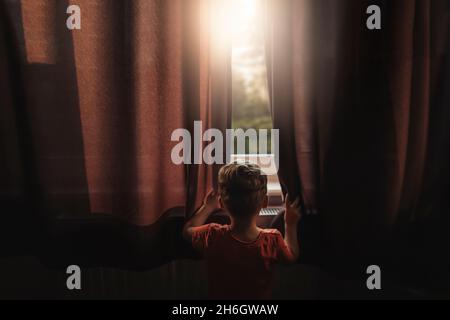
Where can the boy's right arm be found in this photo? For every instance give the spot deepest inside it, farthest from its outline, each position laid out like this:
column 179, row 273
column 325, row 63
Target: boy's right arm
column 292, row 216
column 210, row 204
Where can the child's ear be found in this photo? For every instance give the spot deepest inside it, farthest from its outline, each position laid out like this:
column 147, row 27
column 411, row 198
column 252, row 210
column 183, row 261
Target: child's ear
column 265, row 201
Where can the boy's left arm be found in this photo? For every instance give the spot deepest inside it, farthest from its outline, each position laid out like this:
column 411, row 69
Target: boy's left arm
column 210, row 204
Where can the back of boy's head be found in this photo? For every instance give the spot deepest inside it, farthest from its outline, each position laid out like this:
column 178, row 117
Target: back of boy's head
column 242, row 188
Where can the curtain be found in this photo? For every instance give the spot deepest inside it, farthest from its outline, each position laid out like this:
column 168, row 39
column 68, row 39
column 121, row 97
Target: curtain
column 362, row 114
column 87, row 115
column 215, row 106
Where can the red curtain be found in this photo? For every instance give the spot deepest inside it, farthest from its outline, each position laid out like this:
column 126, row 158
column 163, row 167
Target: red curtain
column 357, row 111
column 87, row 115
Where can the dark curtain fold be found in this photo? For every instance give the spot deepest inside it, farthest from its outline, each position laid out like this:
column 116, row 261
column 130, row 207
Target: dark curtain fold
column 87, row 115
column 362, row 114
column 20, row 196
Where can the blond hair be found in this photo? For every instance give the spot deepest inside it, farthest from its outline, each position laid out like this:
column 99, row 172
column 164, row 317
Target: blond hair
column 242, row 188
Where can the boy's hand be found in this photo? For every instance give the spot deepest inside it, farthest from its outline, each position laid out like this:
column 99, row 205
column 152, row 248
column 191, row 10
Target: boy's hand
column 292, row 213
column 211, row 201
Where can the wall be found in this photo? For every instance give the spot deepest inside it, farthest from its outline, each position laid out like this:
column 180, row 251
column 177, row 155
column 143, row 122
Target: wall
column 27, row 278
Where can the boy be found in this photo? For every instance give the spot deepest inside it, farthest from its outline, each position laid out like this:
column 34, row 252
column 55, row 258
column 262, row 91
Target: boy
column 240, row 256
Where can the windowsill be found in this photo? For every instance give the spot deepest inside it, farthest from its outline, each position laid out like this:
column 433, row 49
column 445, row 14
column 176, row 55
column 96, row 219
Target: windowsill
column 274, row 188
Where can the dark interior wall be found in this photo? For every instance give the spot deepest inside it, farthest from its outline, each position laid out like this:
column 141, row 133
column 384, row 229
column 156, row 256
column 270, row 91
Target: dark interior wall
column 164, row 267
column 26, row 278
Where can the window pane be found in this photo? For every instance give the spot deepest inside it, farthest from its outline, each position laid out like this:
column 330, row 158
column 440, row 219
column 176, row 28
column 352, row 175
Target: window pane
column 249, row 88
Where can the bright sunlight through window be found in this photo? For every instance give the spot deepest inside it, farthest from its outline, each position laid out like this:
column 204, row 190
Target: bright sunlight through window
column 251, row 108
column 249, row 88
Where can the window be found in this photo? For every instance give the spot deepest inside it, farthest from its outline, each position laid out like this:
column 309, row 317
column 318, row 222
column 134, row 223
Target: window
column 249, row 76
column 251, row 109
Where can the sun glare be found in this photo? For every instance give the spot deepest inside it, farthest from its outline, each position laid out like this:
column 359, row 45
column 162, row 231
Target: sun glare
column 246, row 37
column 243, row 15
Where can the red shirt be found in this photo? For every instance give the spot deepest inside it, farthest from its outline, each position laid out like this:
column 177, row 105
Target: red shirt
column 237, row 269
